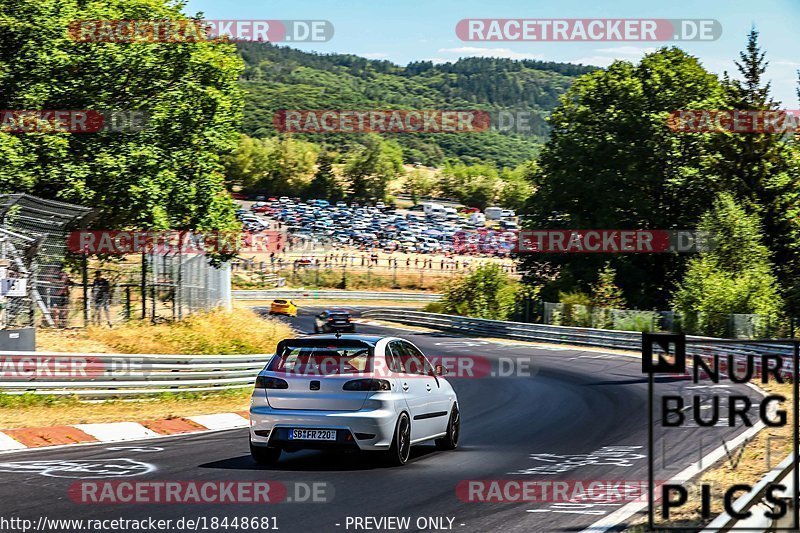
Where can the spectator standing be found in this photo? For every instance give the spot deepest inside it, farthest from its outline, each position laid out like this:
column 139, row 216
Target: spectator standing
column 101, row 298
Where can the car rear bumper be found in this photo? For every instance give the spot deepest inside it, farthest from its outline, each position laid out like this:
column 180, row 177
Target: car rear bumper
column 358, row 430
column 328, row 328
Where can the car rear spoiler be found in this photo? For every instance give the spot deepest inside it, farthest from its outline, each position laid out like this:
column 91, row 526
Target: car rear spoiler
column 318, row 342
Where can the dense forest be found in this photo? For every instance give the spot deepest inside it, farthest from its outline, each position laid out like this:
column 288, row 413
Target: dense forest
column 278, row 77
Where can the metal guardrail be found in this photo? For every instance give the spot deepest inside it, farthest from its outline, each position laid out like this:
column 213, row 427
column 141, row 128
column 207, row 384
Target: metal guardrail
column 523, row 331
column 783, row 473
column 300, row 294
column 132, row 375
column 125, row 375
column 624, row 340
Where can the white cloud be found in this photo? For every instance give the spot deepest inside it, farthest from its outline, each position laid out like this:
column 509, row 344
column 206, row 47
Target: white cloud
column 436, row 60
column 489, row 52
column 597, row 61
column 375, row 55
column 627, row 50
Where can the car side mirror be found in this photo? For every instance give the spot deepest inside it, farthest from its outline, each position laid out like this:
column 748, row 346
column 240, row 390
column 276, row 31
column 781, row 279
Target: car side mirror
column 440, row 370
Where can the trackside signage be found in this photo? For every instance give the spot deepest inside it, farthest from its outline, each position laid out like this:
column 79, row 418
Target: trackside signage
column 706, row 397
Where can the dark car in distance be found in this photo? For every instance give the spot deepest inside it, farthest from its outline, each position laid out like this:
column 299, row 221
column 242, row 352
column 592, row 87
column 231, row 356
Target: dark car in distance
column 333, row 320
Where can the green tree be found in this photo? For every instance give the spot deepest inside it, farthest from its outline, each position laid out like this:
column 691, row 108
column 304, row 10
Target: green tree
column 734, row 277
column 249, row 162
column 419, row 183
column 288, row 168
column 761, row 168
column 612, row 163
column 474, row 185
column 605, row 292
column 325, row 184
column 168, row 175
column 488, row 292
column 517, row 187
column 370, row 169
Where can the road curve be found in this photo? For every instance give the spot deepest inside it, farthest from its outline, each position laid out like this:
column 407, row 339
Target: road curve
column 574, row 402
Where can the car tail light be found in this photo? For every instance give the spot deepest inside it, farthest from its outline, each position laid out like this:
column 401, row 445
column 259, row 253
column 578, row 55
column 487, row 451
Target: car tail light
column 367, row 385
column 266, row 382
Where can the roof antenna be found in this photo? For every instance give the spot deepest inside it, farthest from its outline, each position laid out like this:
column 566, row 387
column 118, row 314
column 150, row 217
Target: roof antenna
column 338, row 334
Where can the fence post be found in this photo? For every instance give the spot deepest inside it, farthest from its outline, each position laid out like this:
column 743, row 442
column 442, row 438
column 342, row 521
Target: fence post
column 153, row 303
column 144, row 286
column 127, row 302
column 85, row 282
column 178, row 289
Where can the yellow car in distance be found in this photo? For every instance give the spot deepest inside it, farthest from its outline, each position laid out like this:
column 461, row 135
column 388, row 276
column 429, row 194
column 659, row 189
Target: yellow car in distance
column 282, row 307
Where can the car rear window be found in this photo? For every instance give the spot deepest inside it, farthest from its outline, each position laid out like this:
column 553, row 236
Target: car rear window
column 280, row 302
column 322, row 360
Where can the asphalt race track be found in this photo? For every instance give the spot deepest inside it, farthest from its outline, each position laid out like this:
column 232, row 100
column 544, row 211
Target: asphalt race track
column 574, row 403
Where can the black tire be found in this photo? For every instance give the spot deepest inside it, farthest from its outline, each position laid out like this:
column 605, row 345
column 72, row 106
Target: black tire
column 264, row 455
column 401, row 443
column 450, row 441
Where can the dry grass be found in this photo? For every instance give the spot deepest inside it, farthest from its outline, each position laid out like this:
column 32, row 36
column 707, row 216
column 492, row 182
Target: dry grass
column 240, row 331
column 74, row 412
column 333, row 303
column 768, row 448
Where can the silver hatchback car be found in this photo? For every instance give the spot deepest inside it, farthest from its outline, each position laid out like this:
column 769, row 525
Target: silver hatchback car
column 351, row 392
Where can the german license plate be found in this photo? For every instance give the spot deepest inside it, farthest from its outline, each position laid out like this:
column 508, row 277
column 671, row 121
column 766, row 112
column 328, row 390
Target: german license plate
column 312, row 434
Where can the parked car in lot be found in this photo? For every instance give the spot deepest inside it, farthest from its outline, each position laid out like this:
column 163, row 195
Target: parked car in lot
column 332, row 320
column 366, row 227
column 283, row 307
column 354, row 392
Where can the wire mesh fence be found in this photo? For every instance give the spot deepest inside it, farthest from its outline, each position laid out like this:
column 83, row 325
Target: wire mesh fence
column 42, row 283
column 33, row 249
column 734, row 326
column 353, row 271
column 154, row 287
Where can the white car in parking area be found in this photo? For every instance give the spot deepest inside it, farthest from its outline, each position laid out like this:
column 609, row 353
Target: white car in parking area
column 352, row 392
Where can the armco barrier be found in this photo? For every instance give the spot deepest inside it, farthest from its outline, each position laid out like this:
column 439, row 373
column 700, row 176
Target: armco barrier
column 783, row 473
column 602, row 338
column 129, row 375
column 300, row 294
column 621, row 340
column 132, row 375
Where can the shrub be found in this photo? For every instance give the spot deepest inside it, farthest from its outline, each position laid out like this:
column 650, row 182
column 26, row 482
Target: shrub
column 487, row 292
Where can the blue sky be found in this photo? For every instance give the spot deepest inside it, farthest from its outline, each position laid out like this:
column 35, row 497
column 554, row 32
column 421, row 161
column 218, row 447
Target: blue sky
column 409, row 30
